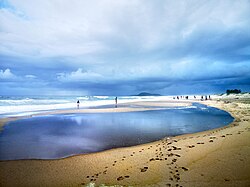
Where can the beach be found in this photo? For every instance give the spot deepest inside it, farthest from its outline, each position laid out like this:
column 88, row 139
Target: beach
column 218, row 157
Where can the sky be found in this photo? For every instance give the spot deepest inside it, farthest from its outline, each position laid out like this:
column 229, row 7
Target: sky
column 111, row 47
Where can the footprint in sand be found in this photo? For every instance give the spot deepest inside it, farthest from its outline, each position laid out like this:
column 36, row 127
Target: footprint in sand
column 171, row 154
column 213, row 137
column 176, row 148
column 177, row 177
column 174, row 160
column 122, row 178
column 105, row 172
column 191, row 146
column 144, row 169
column 184, row 168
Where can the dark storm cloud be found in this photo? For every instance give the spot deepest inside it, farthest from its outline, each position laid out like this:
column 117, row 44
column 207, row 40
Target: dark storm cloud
column 123, row 47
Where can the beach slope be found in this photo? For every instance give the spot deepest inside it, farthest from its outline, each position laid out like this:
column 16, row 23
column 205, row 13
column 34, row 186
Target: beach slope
column 219, row 157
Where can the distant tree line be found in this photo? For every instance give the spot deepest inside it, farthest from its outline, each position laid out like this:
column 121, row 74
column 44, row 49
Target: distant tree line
column 235, row 91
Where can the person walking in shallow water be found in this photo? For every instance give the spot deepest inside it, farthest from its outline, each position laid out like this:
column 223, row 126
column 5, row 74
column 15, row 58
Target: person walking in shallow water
column 78, row 104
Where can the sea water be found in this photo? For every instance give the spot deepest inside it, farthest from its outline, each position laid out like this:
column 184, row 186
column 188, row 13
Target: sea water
column 58, row 136
column 27, row 105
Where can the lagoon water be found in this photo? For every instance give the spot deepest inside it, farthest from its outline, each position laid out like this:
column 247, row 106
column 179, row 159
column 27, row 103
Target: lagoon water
column 58, row 136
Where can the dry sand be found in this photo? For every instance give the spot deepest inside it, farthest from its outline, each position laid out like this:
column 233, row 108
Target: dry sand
column 219, row 157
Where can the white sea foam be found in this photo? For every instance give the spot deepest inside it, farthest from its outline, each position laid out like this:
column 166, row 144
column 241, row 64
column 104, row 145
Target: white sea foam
column 29, row 106
column 29, row 101
column 83, row 98
column 101, row 97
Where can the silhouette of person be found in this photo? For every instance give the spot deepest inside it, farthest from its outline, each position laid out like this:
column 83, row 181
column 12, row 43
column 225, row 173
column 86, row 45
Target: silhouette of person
column 116, row 102
column 202, row 97
column 78, row 104
column 209, row 97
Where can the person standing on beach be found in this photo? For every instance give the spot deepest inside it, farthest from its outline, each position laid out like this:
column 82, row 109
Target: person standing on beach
column 78, row 104
column 116, row 102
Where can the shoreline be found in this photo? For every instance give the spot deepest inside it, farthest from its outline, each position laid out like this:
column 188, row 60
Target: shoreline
column 182, row 160
column 141, row 106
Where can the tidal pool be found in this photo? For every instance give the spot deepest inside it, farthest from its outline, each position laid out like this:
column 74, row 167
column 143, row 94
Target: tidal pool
column 58, row 136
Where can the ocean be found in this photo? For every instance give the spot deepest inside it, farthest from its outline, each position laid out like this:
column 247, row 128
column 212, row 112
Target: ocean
column 28, row 105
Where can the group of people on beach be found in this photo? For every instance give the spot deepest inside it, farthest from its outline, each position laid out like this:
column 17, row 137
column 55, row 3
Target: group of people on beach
column 205, row 97
column 180, row 97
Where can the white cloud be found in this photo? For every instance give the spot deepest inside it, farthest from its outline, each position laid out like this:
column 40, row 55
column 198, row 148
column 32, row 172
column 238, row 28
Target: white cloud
column 79, row 75
column 30, row 76
column 78, row 28
column 6, row 74
column 124, row 40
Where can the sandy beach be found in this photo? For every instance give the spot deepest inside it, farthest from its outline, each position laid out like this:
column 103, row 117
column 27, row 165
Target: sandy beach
column 219, row 157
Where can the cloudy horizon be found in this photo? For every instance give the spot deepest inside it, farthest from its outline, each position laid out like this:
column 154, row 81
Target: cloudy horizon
column 124, row 47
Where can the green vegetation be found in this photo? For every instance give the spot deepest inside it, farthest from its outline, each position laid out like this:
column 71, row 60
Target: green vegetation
column 235, row 91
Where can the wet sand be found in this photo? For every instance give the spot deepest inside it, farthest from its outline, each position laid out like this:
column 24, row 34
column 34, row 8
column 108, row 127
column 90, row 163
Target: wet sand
column 219, row 157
